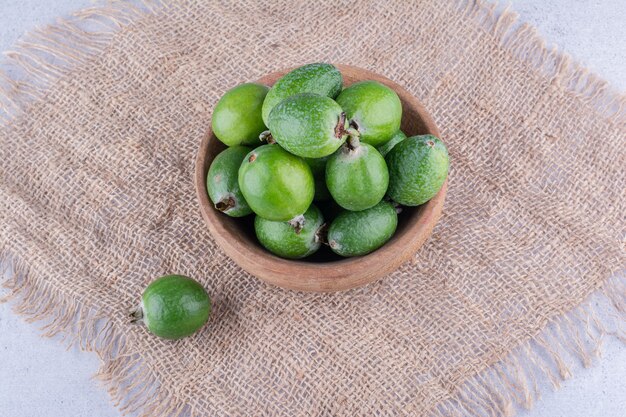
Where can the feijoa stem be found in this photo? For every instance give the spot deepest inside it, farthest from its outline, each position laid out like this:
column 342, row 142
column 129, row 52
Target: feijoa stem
column 353, row 135
column 353, row 132
column 353, row 128
column 321, row 235
column 136, row 314
column 340, row 127
column 353, row 141
column 297, row 223
column 266, row 136
column 225, row 203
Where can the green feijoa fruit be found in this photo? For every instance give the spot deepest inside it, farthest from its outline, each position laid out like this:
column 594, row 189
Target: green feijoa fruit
column 276, row 184
column 355, row 233
column 373, row 109
column 292, row 240
column 357, row 176
column 318, row 168
column 418, row 167
column 398, row 137
column 223, row 185
column 309, row 125
column 237, row 116
column 322, row 79
column 173, row 306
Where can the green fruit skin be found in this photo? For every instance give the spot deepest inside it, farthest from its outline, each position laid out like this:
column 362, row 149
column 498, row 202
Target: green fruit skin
column 318, row 168
column 322, row 79
column 237, row 116
column 398, row 137
column 281, row 238
column 276, row 184
column 375, row 108
column 357, row 178
column 175, row 306
column 222, row 180
column 356, row 233
column 418, row 167
column 305, row 124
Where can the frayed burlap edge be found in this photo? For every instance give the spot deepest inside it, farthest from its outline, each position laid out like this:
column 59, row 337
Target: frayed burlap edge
column 130, row 383
column 514, row 378
column 38, row 61
column 46, row 56
column 544, row 357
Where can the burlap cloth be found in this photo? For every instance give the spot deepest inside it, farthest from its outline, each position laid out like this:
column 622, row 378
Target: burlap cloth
column 104, row 113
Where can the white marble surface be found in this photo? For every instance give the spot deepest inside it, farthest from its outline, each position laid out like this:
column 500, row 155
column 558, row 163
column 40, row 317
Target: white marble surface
column 38, row 377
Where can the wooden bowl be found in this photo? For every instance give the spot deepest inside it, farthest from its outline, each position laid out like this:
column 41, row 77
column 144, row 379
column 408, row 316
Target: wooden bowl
column 326, row 272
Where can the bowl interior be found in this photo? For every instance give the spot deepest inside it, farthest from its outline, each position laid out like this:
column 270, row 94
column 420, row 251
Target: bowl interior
column 324, row 270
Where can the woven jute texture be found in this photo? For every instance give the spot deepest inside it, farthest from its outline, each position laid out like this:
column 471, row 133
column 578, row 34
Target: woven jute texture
column 102, row 116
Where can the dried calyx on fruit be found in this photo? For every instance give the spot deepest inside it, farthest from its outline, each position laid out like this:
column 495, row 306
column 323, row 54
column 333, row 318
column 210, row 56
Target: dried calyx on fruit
column 309, row 125
column 223, row 184
column 290, row 240
column 357, row 175
column 373, row 109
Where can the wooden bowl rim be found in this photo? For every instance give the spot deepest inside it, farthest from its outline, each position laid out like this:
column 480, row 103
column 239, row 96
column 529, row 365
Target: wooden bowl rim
column 330, row 276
